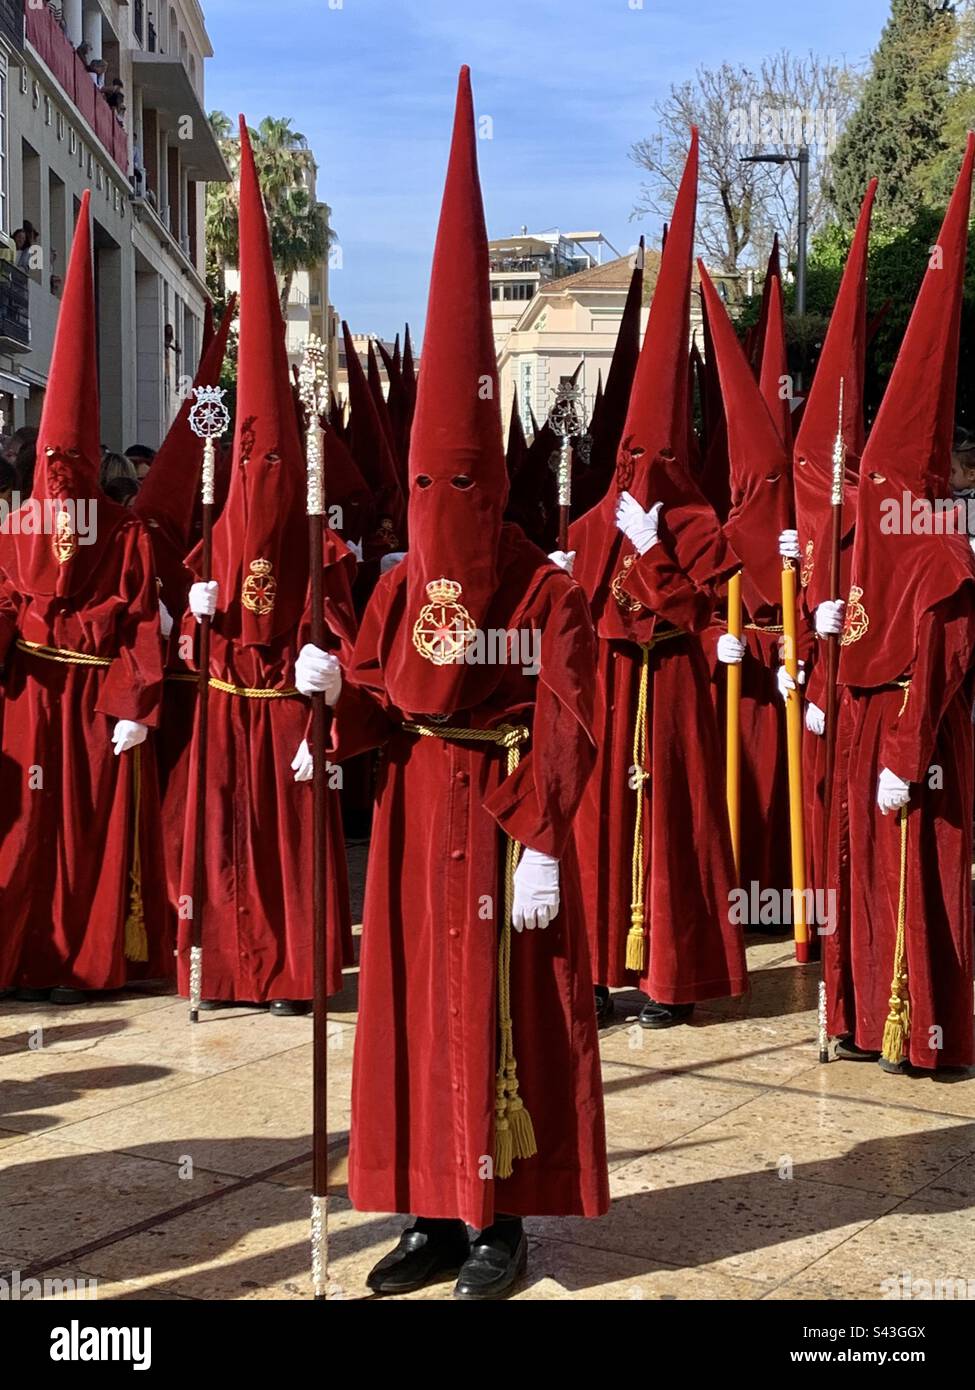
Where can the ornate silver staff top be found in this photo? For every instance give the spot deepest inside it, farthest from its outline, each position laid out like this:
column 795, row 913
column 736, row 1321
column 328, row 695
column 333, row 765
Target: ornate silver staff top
column 839, row 456
column 313, row 390
column 209, row 417
column 566, row 419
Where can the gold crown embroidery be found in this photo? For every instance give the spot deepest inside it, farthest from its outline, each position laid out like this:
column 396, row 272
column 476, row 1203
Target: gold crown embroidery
column 856, row 620
column 63, row 541
column 444, row 630
column 260, row 588
column 623, row 599
column 808, row 564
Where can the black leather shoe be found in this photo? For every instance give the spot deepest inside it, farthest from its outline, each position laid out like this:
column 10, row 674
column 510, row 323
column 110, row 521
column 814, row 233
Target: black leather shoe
column 209, row 1006
column 654, row 1015
column 847, row 1051
column 63, row 994
column 423, row 1253
column 605, row 1008
column 32, row 996
column 901, row 1068
column 288, row 1008
column 497, row 1261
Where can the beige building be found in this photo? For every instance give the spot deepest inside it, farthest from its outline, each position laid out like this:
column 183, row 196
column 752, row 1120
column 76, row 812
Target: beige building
column 146, row 160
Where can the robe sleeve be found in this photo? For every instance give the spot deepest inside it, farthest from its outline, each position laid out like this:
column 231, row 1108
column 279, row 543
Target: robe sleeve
column 945, row 640
column 657, row 582
column 537, row 803
column 362, row 719
column 134, row 681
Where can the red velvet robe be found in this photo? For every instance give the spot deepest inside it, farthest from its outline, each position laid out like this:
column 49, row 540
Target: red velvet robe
column 257, row 925
column 424, row 1068
column 694, row 951
column 934, row 731
column 66, row 847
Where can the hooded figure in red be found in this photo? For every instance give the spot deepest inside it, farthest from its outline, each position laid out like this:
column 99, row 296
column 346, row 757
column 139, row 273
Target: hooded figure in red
column 483, row 752
column 654, row 844
column 257, row 929
column 761, row 508
column 899, row 963
column 166, row 503
column 82, row 897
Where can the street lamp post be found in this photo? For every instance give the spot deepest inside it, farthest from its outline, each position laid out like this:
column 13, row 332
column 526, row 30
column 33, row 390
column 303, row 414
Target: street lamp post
column 802, row 159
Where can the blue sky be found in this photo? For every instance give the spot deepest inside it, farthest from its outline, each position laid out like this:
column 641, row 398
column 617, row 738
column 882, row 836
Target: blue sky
column 569, row 85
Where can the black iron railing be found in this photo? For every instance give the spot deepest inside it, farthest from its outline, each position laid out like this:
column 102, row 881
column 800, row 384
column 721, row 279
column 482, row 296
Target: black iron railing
column 14, row 305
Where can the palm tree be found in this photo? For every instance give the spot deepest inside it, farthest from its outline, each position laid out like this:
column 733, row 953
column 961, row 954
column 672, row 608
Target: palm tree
column 285, row 167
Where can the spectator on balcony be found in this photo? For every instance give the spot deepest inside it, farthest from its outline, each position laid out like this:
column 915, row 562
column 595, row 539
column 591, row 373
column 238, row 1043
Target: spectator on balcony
column 115, row 95
column 98, row 68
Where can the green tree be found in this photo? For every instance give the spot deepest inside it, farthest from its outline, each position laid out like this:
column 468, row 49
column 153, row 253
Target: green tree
column 900, row 130
column 285, row 168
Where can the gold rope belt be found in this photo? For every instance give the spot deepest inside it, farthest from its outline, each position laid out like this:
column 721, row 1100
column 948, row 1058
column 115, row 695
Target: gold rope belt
column 514, row 1135
column 62, row 654
column 897, row 1028
column 249, row 693
column 636, row 943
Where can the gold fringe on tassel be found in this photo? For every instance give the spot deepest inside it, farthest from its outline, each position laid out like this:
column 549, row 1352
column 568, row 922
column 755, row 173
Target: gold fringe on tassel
column 897, row 1029
column 136, row 942
column 636, row 941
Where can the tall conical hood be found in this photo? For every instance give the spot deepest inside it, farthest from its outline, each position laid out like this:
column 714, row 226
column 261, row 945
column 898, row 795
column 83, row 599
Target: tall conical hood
column 209, row 329
column 166, row 502
column 755, row 338
column 774, row 378
column 843, row 358
column 260, row 542
column 902, row 564
column 517, row 446
column 370, row 446
column 458, row 482
column 652, row 463
column 761, row 492
column 68, row 445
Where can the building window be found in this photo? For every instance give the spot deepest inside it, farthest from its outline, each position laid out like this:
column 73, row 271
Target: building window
column 4, row 204
column 525, row 393
column 138, row 20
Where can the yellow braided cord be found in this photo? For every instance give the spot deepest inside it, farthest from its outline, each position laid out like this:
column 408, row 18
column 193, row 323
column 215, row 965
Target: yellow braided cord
column 63, row 654
column 761, row 627
column 898, row 1026
column 136, row 944
column 906, row 687
column 514, row 1134
column 636, row 946
column 249, row 693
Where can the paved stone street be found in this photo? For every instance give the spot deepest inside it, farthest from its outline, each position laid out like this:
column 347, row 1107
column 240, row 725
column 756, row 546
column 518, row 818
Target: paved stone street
column 173, row 1162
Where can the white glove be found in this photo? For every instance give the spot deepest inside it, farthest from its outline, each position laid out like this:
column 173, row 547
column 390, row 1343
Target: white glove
column 318, row 672
column 165, row 620
column 789, row 545
column 639, row 527
column 128, row 734
column 203, row 599
column 536, row 891
column 303, row 763
column 731, row 649
column 390, row 561
column 785, row 681
column 829, row 617
column 892, row 793
column 815, row 719
column 565, row 559
column 356, row 548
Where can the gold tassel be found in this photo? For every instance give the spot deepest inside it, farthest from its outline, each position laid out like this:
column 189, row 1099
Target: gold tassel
column 636, row 941
column 136, row 941
column 503, row 1137
column 519, row 1120
column 898, row 1025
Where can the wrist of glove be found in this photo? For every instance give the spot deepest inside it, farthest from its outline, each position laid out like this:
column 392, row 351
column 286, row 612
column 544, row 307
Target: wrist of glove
column 785, row 682
column 165, row 620
column 390, row 561
column 639, row 527
column 829, row 618
column 815, row 719
column 303, row 763
column 731, row 649
column 565, row 559
column 203, row 599
column 892, row 792
column 536, row 896
column 128, row 734
column 789, row 545
column 318, row 673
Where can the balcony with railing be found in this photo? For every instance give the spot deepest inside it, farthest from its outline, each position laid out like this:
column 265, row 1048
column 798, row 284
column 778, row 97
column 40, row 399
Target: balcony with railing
column 54, row 48
column 14, row 309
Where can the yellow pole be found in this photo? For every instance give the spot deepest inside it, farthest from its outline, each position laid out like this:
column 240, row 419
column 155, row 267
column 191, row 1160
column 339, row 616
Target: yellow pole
column 793, row 728
column 733, row 726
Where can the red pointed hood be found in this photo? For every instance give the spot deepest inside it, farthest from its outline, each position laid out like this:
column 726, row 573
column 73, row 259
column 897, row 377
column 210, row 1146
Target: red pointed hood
column 761, row 492
column 843, row 358
column 79, row 520
column 209, row 329
column 517, row 446
column 755, row 337
column 370, row 446
column 458, row 482
column 774, row 377
column 166, row 502
column 260, row 541
column 900, row 570
column 652, row 462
